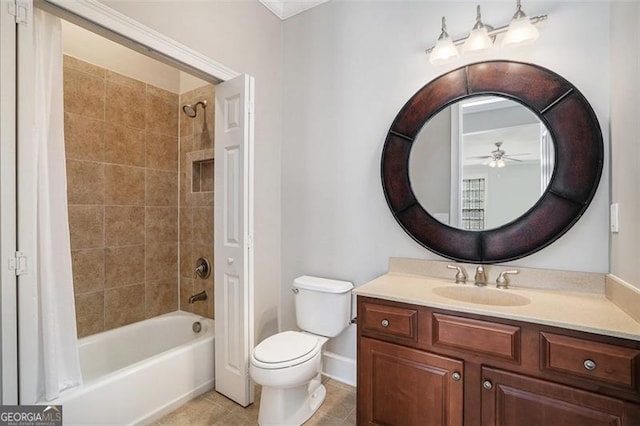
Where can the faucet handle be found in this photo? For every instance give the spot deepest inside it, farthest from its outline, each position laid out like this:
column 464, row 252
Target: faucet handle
column 461, row 275
column 503, row 281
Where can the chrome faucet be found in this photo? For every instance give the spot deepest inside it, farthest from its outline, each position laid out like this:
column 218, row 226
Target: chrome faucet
column 198, row 296
column 480, row 278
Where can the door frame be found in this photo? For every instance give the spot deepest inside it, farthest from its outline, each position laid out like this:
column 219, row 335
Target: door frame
column 111, row 24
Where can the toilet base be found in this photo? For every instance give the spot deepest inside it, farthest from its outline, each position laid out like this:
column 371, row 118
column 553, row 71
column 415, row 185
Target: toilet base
column 291, row 406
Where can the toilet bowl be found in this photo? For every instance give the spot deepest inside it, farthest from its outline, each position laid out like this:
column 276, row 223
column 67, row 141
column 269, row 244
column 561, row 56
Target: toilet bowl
column 288, row 365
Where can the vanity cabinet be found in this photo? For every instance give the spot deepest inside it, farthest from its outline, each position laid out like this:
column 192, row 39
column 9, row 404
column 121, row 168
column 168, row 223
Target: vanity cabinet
column 425, row 366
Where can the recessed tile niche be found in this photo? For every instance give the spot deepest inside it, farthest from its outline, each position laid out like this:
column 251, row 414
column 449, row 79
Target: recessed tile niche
column 200, row 173
column 202, row 176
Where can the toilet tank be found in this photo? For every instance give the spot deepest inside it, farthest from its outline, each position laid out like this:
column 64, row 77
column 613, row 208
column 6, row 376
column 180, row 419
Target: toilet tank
column 323, row 306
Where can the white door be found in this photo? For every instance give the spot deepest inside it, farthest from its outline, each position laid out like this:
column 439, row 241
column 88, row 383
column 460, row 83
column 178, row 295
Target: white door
column 8, row 296
column 233, row 247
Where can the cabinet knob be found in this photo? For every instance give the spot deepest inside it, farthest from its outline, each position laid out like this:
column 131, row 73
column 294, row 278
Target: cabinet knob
column 456, row 376
column 590, row 364
column 487, row 385
column 384, row 323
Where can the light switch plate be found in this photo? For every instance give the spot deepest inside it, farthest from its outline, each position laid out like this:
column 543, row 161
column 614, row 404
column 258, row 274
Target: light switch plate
column 613, row 218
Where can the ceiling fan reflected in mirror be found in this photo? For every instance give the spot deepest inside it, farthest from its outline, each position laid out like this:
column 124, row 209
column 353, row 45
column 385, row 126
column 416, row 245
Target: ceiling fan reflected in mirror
column 498, row 156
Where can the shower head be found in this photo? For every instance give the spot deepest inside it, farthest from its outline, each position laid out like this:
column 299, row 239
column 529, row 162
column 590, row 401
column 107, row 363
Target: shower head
column 192, row 110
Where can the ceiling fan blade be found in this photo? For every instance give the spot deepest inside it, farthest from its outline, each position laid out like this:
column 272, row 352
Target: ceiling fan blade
column 479, row 157
column 511, row 159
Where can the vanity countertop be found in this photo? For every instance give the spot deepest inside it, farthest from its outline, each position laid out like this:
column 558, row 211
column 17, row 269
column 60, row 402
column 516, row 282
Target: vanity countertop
column 589, row 312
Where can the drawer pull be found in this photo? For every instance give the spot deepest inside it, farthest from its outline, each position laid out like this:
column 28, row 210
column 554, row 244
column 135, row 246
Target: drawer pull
column 590, row 364
column 487, row 385
column 456, row 376
column 384, row 323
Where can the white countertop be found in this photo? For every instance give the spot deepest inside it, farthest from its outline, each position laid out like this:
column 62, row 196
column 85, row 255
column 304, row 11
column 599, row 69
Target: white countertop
column 581, row 311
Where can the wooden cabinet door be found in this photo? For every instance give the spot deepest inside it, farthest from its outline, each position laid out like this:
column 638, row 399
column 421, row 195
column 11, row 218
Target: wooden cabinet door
column 510, row 399
column 404, row 386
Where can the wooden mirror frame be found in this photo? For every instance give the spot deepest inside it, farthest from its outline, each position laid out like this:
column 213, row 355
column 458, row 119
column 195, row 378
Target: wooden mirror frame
column 578, row 148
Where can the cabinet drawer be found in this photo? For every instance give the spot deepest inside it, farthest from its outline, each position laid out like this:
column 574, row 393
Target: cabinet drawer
column 483, row 337
column 390, row 321
column 600, row 361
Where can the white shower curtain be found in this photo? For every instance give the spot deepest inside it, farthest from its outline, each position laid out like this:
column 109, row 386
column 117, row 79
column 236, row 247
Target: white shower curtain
column 59, row 362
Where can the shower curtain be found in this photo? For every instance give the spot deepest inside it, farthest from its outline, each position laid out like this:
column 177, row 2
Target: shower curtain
column 58, row 346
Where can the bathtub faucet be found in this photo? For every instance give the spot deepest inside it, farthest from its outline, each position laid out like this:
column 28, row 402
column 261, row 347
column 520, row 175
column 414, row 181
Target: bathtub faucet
column 199, row 296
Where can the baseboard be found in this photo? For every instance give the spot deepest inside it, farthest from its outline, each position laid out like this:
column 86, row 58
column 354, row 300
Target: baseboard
column 339, row 368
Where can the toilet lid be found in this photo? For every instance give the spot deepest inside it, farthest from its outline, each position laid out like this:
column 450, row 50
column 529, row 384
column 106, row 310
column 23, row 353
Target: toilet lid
column 285, row 346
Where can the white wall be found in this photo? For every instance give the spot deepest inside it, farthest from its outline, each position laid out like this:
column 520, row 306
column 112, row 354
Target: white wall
column 247, row 38
column 348, row 69
column 625, row 139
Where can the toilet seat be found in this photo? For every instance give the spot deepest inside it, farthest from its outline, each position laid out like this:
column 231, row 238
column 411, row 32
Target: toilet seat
column 285, row 349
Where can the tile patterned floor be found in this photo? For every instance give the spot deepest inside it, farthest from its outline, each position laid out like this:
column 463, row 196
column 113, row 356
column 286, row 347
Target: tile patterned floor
column 211, row 408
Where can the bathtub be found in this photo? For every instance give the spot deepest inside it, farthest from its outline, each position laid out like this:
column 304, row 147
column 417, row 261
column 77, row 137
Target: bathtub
column 140, row 372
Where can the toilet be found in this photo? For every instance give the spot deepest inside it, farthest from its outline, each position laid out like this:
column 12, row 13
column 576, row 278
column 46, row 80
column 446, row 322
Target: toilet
column 288, row 365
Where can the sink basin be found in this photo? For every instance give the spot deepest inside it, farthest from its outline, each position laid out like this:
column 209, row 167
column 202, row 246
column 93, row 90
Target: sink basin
column 482, row 295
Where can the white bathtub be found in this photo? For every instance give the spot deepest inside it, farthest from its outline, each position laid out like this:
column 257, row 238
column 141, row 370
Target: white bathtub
column 140, row 372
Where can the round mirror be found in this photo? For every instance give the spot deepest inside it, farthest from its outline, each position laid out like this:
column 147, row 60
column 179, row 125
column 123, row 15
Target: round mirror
column 481, row 163
column 555, row 203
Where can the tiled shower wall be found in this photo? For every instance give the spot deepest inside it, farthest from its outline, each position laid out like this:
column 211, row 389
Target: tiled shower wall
column 196, row 198
column 121, row 138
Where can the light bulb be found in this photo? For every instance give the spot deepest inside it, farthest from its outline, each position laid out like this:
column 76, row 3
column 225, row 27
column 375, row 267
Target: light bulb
column 521, row 30
column 479, row 39
column 444, row 50
column 500, row 163
column 492, row 163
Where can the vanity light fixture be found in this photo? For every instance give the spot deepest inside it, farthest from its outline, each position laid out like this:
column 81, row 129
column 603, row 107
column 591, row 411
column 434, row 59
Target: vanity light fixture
column 444, row 50
column 479, row 39
column 521, row 30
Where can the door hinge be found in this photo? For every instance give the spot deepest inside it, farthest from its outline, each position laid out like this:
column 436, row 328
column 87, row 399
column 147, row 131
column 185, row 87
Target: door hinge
column 20, row 10
column 18, row 263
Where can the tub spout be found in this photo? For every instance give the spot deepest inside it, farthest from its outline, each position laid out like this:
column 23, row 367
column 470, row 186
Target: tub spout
column 199, row 296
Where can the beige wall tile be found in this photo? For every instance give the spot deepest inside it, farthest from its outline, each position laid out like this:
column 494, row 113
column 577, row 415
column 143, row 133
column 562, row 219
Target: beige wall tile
column 203, row 225
column 124, row 105
column 162, row 116
column 187, row 261
column 185, row 122
column 161, row 224
column 84, row 94
column 186, row 290
column 124, row 145
column 123, row 305
column 161, row 297
column 89, row 313
column 185, row 189
column 88, row 270
column 202, row 140
column 186, row 223
column 124, row 266
column 165, row 95
column 162, row 151
column 80, row 65
column 124, row 185
column 206, row 176
column 205, row 122
column 203, row 307
column 83, row 138
column 162, row 261
column 85, row 182
column 123, row 80
column 86, row 226
column 186, row 146
column 124, row 225
column 162, row 188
